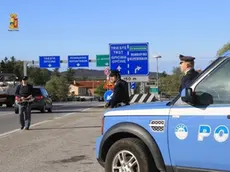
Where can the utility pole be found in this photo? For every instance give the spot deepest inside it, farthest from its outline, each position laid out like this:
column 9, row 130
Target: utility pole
column 25, row 68
column 157, row 57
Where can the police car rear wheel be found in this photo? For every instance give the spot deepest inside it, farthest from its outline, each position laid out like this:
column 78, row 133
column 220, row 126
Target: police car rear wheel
column 128, row 155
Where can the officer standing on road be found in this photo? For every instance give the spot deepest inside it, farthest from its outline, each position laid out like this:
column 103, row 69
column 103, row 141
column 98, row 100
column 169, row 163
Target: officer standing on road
column 187, row 67
column 120, row 92
column 24, row 91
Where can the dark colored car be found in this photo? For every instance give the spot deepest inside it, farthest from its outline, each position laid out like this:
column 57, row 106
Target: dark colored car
column 42, row 100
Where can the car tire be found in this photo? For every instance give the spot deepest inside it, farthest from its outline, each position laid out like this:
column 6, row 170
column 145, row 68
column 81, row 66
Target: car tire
column 16, row 111
column 50, row 110
column 43, row 110
column 133, row 147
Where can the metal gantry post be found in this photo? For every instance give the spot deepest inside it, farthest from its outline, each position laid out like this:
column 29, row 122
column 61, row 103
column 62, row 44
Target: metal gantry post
column 25, row 68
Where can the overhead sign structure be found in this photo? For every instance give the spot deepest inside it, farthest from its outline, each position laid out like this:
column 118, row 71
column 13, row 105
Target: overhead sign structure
column 102, row 60
column 78, row 61
column 130, row 59
column 108, row 95
column 49, row 61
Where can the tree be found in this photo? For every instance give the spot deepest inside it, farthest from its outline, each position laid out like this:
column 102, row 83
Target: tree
column 70, row 75
column 164, row 74
column 223, row 49
column 56, row 72
column 99, row 91
column 18, row 69
column 38, row 76
column 170, row 84
column 58, row 88
column 11, row 65
column 176, row 71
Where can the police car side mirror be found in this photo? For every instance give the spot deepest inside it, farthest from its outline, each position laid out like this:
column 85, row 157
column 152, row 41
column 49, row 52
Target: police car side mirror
column 203, row 98
column 187, row 95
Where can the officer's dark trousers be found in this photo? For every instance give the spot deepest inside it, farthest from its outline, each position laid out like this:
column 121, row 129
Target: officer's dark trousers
column 25, row 115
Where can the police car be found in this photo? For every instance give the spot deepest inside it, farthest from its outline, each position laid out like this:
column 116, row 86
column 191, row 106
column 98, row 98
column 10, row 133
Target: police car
column 189, row 133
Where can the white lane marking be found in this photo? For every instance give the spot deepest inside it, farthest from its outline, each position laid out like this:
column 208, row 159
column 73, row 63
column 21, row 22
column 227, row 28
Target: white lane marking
column 5, row 114
column 8, row 133
column 3, row 135
column 68, row 114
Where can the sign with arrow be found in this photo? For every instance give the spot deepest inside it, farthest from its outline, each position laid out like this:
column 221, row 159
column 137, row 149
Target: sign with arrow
column 102, row 60
column 130, row 59
column 137, row 69
column 108, row 95
column 78, row 61
column 49, row 61
column 133, row 85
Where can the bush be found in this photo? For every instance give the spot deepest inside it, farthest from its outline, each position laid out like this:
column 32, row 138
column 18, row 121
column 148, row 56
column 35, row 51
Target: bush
column 58, row 88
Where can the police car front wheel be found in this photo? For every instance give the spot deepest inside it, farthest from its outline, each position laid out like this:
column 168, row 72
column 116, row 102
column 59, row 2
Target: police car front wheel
column 128, row 155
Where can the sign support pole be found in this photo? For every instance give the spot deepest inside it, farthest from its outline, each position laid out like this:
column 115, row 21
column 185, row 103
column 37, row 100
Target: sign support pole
column 25, row 68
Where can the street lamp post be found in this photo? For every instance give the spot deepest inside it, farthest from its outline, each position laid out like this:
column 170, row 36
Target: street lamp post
column 157, row 57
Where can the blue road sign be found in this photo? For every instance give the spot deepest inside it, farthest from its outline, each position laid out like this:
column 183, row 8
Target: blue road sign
column 130, row 59
column 78, row 61
column 108, row 95
column 49, row 61
column 132, row 85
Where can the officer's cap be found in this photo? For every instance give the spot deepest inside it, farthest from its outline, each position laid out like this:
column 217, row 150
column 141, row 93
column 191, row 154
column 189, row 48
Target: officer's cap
column 114, row 73
column 186, row 58
column 25, row 78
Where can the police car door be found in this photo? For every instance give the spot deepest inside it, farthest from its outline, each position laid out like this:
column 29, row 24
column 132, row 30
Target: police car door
column 199, row 134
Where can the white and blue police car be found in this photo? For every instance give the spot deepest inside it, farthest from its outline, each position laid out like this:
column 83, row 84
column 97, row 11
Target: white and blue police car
column 188, row 134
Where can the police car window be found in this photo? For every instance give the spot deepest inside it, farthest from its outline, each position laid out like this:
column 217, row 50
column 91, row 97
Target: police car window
column 216, row 85
column 177, row 100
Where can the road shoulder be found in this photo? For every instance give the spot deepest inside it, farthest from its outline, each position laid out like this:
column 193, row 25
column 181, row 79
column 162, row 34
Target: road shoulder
column 64, row 144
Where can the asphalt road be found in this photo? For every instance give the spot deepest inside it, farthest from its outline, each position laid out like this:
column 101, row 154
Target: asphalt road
column 62, row 144
column 10, row 121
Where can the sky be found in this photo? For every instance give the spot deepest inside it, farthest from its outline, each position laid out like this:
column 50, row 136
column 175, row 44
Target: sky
column 86, row 27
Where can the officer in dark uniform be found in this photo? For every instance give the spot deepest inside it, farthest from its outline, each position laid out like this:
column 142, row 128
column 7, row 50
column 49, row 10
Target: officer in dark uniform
column 120, row 92
column 187, row 67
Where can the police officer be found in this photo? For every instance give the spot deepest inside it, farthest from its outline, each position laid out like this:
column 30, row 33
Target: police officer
column 120, row 92
column 187, row 67
column 24, row 91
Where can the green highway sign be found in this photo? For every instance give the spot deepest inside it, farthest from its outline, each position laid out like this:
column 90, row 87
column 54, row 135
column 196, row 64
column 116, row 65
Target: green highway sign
column 154, row 90
column 102, row 60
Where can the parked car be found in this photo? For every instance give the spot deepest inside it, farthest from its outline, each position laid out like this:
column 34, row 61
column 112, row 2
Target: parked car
column 42, row 100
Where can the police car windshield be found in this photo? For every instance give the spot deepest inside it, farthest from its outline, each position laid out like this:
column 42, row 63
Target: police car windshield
column 216, row 61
